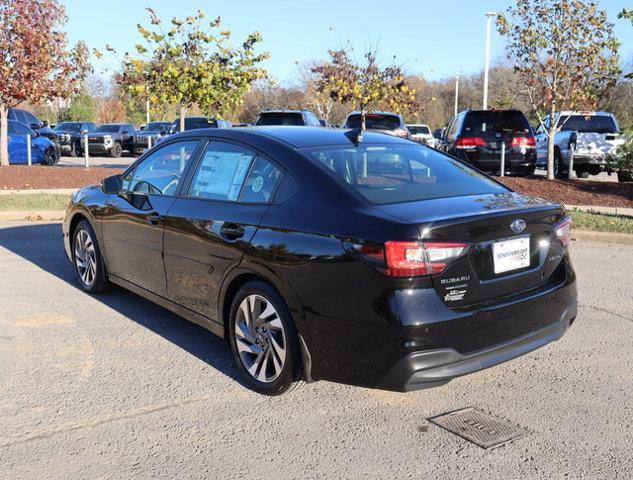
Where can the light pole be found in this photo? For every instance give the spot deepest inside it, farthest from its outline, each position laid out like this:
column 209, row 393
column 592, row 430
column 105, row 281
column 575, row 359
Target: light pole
column 489, row 17
column 456, row 91
column 147, row 112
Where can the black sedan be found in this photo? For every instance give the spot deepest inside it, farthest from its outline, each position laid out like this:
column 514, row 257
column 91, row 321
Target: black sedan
column 322, row 254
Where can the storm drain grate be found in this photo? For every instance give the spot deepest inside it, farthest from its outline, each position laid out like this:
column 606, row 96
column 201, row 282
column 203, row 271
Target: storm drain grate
column 479, row 428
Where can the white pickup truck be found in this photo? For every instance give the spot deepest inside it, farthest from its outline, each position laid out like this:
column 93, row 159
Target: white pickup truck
column 590, row 136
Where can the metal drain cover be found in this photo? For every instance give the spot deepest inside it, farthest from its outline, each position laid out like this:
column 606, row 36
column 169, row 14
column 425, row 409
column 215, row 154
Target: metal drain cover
column 479, row 428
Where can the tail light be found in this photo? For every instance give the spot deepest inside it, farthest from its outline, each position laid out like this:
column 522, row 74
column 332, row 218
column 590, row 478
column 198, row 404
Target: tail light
column 408, row 259
column 470, row 142
column 528, row 142
column 563, row 231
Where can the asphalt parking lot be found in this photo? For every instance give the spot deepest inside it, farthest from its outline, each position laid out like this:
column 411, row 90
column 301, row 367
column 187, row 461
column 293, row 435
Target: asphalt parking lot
column 116, row 387
column 100, row 161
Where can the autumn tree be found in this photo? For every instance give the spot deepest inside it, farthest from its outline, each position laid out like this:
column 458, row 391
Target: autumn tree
column 565, row 54
column 35, row 62
column 365, row 86
column 191, row 63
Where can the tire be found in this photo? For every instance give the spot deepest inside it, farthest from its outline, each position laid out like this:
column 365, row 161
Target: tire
column 560, row 170
column 116, row 151
column 625, row 177
column 50, row 157
column 90, row 269
column 581, row 173
column 266, row 354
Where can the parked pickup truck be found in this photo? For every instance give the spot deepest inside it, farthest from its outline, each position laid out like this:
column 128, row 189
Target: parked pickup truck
column 112, row 139
column 591, row 136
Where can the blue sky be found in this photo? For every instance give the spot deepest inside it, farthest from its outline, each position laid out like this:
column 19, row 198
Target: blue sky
column 436, row 39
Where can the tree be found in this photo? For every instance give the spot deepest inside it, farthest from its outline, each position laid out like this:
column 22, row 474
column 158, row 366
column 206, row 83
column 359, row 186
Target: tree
column 565, row 54
column 367, row 86
column 191, row 64
column 35, row 63
column 81, row 108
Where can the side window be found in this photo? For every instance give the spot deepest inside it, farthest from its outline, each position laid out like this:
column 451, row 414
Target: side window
column 20, row 129
column 31, row 119
column 20, row 116
column 221, row 172
column 11, row 128
column 160, row 172
column 261, row 181
column 451, row 131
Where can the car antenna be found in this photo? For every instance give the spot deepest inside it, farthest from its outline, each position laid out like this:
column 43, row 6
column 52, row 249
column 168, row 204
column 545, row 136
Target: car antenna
column 355, row 135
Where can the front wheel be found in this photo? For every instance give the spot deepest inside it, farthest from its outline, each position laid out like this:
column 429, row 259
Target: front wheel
column 560, row 170
column 581, row 173
column 50, row 157
column 88, row 260
column 116, row 150
column 263, row 339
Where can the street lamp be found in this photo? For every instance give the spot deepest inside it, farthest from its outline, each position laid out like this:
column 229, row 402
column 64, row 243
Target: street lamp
column 489, row 17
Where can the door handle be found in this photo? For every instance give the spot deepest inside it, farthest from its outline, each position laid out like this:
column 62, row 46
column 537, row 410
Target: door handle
column 154, row 218
column 232, row 231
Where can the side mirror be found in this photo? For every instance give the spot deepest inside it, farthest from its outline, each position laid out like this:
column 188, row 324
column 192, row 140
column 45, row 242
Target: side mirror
column 44, row 123
column 112, row 185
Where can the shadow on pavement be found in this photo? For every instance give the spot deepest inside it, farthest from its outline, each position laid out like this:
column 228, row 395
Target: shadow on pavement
column 42, row 245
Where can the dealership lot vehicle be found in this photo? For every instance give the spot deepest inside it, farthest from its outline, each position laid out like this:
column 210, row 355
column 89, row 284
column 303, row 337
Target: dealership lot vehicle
column 194, row 123
column 284, row 240
column 295, row 118
column 383, row 122
column 149, row 135
column 591, row 137
column 42, row 149
column 114, row 386
column 421, row 133
column 112, row 139
column 72, row 136
column 38, row 126
column 478, row 137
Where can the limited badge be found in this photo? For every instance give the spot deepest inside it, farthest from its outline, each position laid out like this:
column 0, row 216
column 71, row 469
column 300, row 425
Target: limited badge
column 258, row 183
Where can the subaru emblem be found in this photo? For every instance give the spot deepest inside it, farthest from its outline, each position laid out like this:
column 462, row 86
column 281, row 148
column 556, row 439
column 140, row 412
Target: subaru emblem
column 518, row 225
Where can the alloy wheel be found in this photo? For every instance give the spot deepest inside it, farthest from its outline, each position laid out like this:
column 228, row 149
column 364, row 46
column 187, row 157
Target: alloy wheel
column 85, row 257
column 260, row 338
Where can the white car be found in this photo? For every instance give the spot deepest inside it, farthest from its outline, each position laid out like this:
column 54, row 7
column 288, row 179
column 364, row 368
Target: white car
column 422, row 134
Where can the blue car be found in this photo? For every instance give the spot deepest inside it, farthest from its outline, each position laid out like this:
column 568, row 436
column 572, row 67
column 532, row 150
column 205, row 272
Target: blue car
column 42, row 149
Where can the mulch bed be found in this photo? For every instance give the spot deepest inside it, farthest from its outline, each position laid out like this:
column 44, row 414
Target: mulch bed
column 575, row 192
column 19, row 177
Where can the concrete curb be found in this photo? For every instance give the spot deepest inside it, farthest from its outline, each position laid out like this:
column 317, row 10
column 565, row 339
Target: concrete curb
column 620, row 211
column 602, row 237
column 52, row 191
column 37, row 215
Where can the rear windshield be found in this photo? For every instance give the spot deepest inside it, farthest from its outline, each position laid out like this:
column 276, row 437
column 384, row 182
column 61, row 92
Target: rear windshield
column 375, row 121
column 68, row 127
column 595, row 124
column 419, row 130
column 193, row 124
column 280, row 118
column 386, row 174
column 108, row 129
column 156, row 127
column 479, row 123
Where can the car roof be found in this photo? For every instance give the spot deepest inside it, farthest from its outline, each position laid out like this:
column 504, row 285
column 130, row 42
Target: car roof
column 296, row 136
column 585, row 113
column 282, row 110
column 357, row 112
column 417, row 125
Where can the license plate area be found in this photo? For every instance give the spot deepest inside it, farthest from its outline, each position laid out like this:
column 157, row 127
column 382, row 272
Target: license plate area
column 512, row 254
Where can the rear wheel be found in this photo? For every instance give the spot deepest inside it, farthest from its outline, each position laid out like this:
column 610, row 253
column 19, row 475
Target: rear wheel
column 625, row 177
column 88, row 260
column 581, row 173
column 263, row 339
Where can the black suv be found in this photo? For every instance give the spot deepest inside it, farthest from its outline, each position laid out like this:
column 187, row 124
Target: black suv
column 38, row 126
column 71, row 136
column 148, row 136
column 476, row 136
column 112, row 138
column 383, row 122
column 297, row 118
column 195, row 123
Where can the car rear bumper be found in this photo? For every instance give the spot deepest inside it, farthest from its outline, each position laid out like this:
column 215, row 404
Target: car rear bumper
column 98, row 148
column 433, row 368
column 487, row 161
column 408, row 339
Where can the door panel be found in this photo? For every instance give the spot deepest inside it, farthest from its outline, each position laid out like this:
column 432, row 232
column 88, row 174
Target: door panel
column 203, row 241
column 207, row 232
